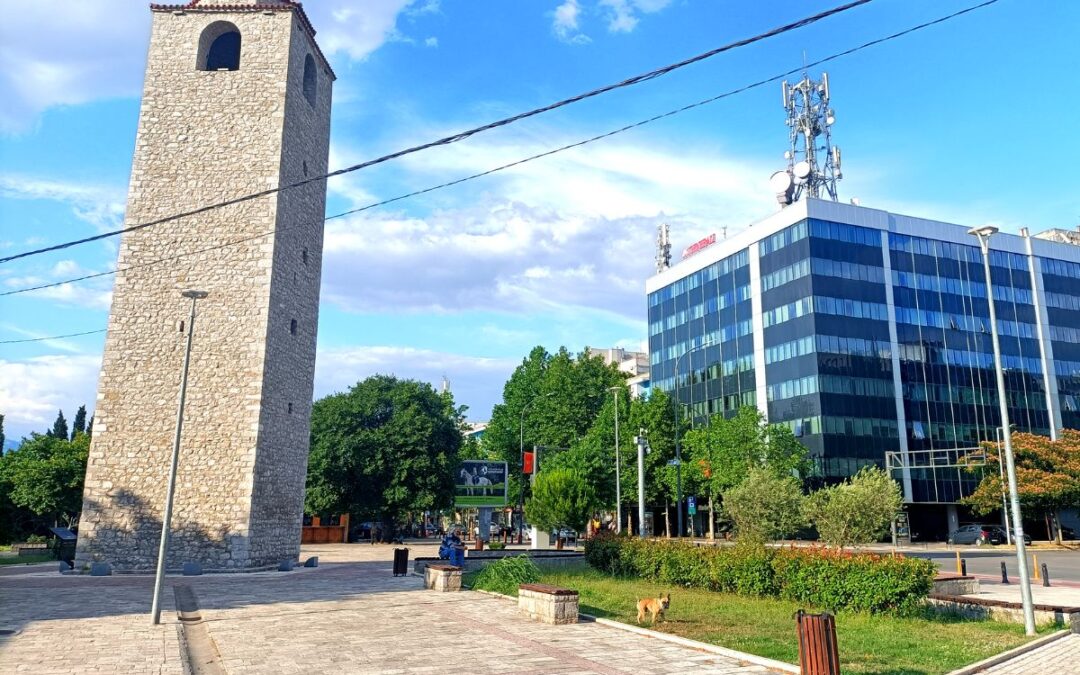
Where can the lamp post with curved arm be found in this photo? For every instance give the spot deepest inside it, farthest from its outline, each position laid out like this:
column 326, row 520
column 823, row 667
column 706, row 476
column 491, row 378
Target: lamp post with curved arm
column 521, row 449
column 678, row 446
column 618, row 483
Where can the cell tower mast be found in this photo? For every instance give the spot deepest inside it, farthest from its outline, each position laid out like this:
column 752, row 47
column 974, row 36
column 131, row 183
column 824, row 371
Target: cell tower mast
column 663, row 248
column 813, row 161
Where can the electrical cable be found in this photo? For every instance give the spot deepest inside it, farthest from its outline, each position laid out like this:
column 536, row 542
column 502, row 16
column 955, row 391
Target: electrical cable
column 53, row 337
column 637, row 79
column 541, row 155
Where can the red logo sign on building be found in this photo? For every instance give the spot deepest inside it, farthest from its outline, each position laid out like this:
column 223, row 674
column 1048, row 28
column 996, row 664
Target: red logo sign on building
column 699, row 246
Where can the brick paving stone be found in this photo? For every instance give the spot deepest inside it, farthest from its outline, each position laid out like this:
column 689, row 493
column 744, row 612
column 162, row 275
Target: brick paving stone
column 1060, row 657
column 350, row 617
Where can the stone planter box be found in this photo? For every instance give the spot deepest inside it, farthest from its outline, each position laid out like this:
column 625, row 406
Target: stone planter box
column 955, row 585
column 442, row 578
column 548, row 604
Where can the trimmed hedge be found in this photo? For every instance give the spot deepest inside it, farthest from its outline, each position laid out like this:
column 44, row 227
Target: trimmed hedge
column 824, row 578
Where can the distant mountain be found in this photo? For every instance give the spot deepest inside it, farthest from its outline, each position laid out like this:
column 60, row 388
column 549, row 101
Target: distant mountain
column 10, row 444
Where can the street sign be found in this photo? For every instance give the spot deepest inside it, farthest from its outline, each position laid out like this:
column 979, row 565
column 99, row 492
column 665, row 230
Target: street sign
column 673, row 462
column 529, row 467
column 691, row 505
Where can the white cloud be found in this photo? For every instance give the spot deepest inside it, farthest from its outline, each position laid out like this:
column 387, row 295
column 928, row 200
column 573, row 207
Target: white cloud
column 100, row 205
column 431, row 42
column 565, row 23
column 620, row 16
column 31, row 391
column 57, row 52
column 474, row 379
column 63, row 52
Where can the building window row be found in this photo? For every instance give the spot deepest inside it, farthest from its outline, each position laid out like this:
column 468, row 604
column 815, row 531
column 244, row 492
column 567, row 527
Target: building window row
column 1067, row 368
column 852, row 234
column 785, row 275
column 1064, row 334
column 845, row 426
column 1063, row 301
column 830, row 384
column 727, row 266
column 844, row 270
column 785, row 237
column 967, row 359
column 789, row 350
column 828, row 344
column 963, row 322
column 960, row 287
column 855, row 309
column 1061, row 268
column 950, row 251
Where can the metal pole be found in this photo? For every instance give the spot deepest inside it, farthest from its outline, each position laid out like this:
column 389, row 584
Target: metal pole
column 983, row 235
column 641, row 482
column 521, row 450
column 618, row 462
column 1004, row 498
column 163, row 547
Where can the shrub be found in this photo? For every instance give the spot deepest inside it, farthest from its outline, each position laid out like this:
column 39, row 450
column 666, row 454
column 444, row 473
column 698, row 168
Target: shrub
column 857, row 511
column 504, row 576
column 765, row 506
column 819, row 577
column 496, row 545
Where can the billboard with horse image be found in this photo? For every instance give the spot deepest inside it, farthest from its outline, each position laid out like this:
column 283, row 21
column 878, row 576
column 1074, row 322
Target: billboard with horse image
column 480, row 483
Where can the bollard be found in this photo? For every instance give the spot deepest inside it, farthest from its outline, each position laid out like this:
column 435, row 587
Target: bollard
column 958, row 567
column 1045, row 576
column 1004, row 574
column 818, row 653
column 963, row 567
column 1035, row 565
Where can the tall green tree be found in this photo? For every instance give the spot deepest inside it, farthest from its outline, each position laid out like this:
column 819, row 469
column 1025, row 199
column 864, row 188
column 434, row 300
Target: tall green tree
column 59, row 427
column 722, row 453
column 2, row 436
column 45, row 475
column 560, row 498
column 550, row 400
column 79, row 425
column 384, row 449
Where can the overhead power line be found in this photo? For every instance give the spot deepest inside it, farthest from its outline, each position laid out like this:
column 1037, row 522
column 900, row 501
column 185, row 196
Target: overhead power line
column 53, row 337
column 628, row 127
column 637, row 79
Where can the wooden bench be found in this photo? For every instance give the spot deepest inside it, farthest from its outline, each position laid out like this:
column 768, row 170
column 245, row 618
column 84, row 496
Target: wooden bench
column 443, row 578
column 548, row 604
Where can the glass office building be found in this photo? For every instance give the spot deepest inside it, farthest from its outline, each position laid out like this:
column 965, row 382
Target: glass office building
column 867, row 333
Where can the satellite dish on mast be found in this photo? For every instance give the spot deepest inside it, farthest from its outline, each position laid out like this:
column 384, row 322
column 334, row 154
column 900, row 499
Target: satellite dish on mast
column 801, row 170
column 783, row 186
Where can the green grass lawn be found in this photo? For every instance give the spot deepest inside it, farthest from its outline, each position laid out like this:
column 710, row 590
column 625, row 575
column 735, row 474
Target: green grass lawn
column 766, row 627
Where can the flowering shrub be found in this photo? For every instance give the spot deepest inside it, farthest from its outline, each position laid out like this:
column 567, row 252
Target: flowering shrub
column 824, row 578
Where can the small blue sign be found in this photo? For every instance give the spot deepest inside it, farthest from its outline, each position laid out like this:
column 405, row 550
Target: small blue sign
column 691, row 502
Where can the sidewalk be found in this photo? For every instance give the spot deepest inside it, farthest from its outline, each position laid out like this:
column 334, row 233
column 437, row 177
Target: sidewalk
column 342, row 617
column 1059, row 657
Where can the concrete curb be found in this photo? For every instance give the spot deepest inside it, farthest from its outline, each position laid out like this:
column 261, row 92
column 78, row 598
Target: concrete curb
column 980, row 666
column 675, row 639
column 701, row 646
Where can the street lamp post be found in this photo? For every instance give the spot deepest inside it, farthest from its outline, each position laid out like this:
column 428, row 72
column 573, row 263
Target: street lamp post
column 678, row 445
column 163, row 547
column 618, row 483
column 521, row 449
column 1004, row 497
column 983, row 234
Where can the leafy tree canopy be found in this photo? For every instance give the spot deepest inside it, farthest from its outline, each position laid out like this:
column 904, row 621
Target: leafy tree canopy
column 384, row 448
column 45, row 475
column 1047, row 473
column 560, row 498
column 722, row 453
column 765, row 506
column 550, row 400
column 857, row 511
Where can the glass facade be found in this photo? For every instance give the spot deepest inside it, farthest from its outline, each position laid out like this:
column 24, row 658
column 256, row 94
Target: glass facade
column 828, row 297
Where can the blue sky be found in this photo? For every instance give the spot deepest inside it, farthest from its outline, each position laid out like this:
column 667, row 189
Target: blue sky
column 971, row 121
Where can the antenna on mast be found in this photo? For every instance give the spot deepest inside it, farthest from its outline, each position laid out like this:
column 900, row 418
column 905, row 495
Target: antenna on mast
column 663, row 247
column 813, row 161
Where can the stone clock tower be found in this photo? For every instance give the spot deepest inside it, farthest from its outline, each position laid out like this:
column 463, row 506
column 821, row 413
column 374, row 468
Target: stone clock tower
column 236, row 100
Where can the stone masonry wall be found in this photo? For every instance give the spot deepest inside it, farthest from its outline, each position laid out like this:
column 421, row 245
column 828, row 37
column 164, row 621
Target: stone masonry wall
column 205, row 137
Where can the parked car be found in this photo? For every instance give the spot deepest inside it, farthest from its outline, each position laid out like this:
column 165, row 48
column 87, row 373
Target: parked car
column 981, row 534
column 566, row 534
column 495, row 529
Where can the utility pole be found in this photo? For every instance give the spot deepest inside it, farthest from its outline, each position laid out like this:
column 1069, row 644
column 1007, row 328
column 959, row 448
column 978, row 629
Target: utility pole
column 641, row 444
column 163, row 547
column 983, row 234
column 618, row 463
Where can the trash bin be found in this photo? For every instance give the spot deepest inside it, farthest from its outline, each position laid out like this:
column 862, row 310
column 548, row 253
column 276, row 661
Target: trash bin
column 65, row 543
column 818, row 654
column 401, row 562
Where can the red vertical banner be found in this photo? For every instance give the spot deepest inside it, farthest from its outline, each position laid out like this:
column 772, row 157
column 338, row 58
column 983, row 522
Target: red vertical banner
column 528, row 465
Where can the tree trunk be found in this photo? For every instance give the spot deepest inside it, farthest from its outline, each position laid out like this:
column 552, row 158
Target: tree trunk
column 667, row 519
column 712, row 518
column 1049, row 530
column 1057, row 529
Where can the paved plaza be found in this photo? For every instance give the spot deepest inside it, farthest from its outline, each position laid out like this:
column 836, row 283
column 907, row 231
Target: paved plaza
column 350, row 617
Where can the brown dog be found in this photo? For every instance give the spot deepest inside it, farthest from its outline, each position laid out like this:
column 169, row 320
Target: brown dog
column 654, row 606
